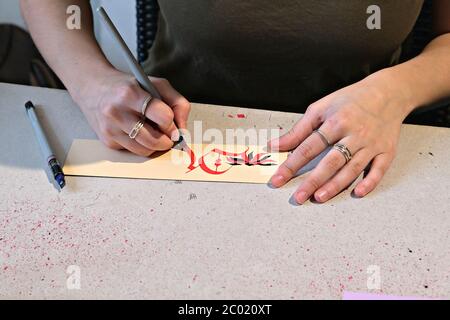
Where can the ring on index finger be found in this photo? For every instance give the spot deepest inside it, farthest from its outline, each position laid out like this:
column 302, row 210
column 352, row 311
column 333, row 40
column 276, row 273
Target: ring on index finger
column 135, row 131
column 145, row 105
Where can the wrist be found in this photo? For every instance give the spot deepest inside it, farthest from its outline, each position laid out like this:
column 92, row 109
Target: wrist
column 393, row 90
column 90, row 81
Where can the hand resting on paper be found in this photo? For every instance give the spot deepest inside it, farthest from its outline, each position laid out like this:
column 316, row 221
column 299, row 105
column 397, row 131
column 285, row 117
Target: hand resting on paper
column 365, row 117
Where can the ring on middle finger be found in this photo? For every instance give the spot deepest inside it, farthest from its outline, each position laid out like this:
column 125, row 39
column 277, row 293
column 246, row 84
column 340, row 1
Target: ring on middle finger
column 344, row 151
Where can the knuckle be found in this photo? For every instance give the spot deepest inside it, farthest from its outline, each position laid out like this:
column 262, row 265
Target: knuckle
column 343, row 123
column 333, row 163
column 110, row 143
column 357, row 167
column 333, row 187
column 291, row 132
column 167, row 116
column 342, row 120
column 149, row 143
column 110, row 111
column 310, row 109
column 305, row 150
column 335, row 124
column 125, row 93
column 170, row 114
column 289, row 167
column 313, row 112
column 106, row 130
column 185, row 103
column 314, row 183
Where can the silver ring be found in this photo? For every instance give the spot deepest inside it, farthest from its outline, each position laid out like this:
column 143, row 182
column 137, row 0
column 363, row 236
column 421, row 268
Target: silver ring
column 323, row 137
column 344, row 151
column 145, row 105
column 135, row 131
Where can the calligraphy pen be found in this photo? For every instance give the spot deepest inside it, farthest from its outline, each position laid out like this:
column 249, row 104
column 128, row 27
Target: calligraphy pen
column 133, row 64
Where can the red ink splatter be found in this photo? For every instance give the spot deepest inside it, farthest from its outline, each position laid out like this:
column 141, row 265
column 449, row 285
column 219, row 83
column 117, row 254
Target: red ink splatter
column 217, row 164
column 241, row 116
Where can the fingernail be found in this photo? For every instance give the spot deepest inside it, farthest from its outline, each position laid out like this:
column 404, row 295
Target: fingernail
column 175, row 136
column 277, row 180
column 301, row 197
column 322, row 195
column 360, row 192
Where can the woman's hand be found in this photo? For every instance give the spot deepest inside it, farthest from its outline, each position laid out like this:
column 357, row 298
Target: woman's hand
column 112, row 105
column 366, row 118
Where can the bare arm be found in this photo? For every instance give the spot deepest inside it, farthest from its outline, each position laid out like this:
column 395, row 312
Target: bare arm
column 74, row 55
column 110, row 100
column 426, row 78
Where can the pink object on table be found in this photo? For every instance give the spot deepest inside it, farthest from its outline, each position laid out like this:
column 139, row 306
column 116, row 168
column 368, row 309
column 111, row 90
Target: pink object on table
column 372, row 296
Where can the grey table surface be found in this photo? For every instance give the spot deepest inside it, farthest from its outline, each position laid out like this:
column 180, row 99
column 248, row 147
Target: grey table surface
column 195, row 240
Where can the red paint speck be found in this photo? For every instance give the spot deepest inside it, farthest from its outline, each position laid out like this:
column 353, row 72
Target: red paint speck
column 241, row 116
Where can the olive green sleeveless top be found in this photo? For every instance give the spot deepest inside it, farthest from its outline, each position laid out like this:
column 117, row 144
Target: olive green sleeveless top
column 280, row 55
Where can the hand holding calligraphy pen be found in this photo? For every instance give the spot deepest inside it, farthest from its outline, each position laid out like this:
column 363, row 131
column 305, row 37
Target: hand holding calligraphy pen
column 140, row 76
column 143, row 81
